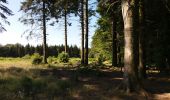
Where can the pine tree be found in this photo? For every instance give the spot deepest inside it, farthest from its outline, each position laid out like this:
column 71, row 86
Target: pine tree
column 5, row 11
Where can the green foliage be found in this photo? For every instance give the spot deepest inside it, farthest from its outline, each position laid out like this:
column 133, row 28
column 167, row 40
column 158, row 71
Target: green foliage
column 18, row 50
column 100, row 59
column 51, row 59
column 102, row 39
column 27, row 56
column 63, row 57
column 36, row 58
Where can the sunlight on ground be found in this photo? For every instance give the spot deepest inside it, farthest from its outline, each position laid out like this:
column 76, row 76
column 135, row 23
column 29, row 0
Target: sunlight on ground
column 163, row 96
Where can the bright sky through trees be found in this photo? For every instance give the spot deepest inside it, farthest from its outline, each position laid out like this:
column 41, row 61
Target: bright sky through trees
column 56, row 34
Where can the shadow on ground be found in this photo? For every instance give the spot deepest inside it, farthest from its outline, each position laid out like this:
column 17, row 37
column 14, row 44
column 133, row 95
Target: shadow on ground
column 73, row 84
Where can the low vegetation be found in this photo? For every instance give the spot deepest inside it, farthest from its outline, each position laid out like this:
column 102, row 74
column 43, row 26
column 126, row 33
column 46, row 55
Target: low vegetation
column 36, row 59
column 63, row 57
column 23, row 81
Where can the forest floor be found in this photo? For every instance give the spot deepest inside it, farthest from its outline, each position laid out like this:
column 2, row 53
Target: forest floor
column 70, row 83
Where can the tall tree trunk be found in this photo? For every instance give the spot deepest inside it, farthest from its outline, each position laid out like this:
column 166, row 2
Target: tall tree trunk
column 114, row 42
column 119, row 52
column 65, row 25
column 82, row 33
column 130, row 65
column 142, row 69
column 44, row 36
column 86, row 22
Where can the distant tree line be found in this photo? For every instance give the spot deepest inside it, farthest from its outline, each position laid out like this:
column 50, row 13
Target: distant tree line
column 18, row 50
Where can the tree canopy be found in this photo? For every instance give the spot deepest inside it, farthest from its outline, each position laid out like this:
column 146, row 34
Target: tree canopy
column 4, row 12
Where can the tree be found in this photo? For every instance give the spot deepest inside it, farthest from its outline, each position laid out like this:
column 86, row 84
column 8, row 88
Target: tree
column 114, row 33
column 142, row 69
column 65, row 24
column 44, row 34
column 114, row 41
column 157, row 26
column 109, row 31
column 82, row 32
column 3, row 14
column 36, row 15
column 86, row 30
column 129, row 9
column 110, row 6
column 63, row 8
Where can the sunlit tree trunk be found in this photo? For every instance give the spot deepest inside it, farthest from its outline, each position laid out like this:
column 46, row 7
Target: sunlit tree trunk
column 82, row 32
column 44, row 36
column 86, row 30
column 130, row 55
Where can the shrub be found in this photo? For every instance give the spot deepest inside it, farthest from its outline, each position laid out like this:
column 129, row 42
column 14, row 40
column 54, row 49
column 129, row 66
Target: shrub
column 36, row 58
column 63, row 57
column 52, row 59
column 100, row 59
column 27, row 56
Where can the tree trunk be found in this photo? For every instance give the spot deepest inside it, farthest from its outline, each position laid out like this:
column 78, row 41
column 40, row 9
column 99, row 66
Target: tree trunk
column 86, row 30
column 65, row 25
column 130, row 55
column 82, row 33
column 114, row 42
column 119, row 54
column 142, row 69
column 44, row 36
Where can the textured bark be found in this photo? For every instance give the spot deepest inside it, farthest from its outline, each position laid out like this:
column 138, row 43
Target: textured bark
column 44, row 36
column 114, row 42
column 82, row 34
column 130, row 55
column 86, row 30
column 142, row 69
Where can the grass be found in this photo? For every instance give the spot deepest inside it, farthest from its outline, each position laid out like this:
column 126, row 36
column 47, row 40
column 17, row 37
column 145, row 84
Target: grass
column 20, row 80
column 15, row 62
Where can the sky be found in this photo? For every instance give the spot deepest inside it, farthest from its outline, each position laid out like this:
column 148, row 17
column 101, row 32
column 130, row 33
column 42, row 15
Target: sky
column 15, row 30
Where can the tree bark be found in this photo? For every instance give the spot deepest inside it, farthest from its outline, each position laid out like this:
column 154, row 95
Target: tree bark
column 44, row 36
column 130, row 55
column 82, row 33
column 142, row 69
column 114, row 42
column 65, row 29
column 86, row 30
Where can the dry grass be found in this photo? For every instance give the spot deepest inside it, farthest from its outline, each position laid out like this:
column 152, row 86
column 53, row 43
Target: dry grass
column 82, row 84
column 15, row 62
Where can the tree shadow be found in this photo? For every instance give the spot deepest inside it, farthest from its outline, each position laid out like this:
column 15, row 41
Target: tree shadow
column 158, row 85
column 72, row 84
